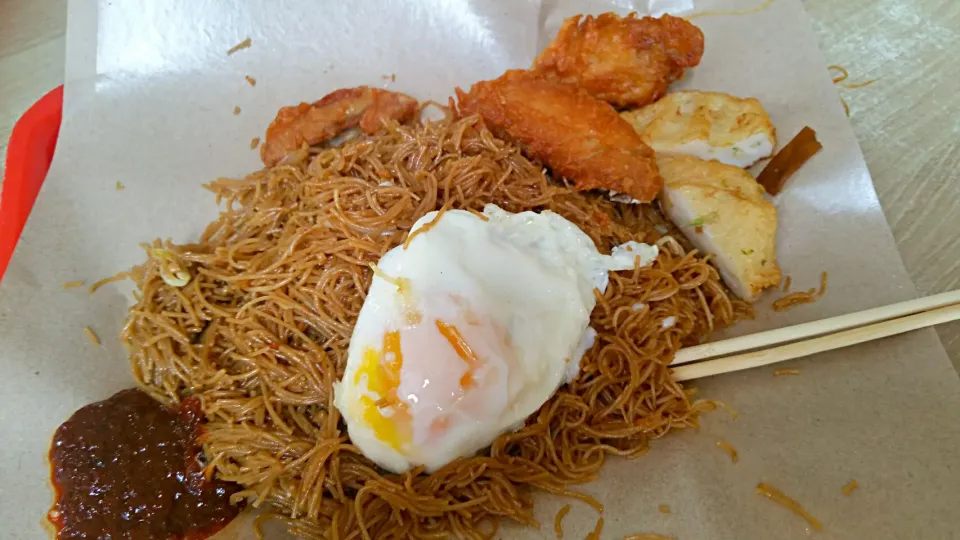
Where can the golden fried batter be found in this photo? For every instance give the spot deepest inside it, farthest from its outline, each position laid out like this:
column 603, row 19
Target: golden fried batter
column 626, row 61
column 576, row 135
column 325, row 119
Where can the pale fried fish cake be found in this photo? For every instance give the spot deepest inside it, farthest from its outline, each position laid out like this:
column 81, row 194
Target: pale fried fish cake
column 709, row 125
column 722, row 210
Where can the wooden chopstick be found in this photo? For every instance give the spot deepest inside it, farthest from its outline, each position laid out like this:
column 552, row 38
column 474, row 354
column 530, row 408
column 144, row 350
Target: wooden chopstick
column 816, row 345
column 814, row 328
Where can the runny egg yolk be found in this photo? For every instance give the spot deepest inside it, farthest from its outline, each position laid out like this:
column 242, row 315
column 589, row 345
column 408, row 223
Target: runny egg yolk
column 382, row 372
column 388, row 416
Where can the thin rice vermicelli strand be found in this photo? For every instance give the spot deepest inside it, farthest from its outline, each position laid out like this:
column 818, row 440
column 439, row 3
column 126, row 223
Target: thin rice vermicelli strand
column 260, row 334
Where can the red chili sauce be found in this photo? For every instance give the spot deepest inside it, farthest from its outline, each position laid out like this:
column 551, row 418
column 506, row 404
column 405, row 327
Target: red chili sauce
column 129, row 467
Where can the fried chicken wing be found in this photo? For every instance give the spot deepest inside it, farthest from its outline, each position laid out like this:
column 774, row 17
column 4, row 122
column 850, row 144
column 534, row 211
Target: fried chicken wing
column 626, row 61
column 722, row 210
column 314, row 123
column 708, row 125
column 577, row 136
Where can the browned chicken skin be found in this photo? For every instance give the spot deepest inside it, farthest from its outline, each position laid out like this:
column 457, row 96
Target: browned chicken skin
column 314, row 123
column 626, row 61
column 576, row 135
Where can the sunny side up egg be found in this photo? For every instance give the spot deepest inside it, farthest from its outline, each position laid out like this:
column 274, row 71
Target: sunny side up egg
column 467, row 329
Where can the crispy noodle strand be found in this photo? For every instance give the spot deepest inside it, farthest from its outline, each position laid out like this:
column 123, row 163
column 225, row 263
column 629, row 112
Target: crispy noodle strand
column 778, row 497
column 729, row 449
column 801, row 297
column 849, row 488
column 595, row 534
column 260, row 334
column 795, row 299
column 558, row 521
column 91, row 335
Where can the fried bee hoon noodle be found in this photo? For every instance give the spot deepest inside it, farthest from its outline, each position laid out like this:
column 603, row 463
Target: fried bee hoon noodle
column 558, row 520
column 779, row 497
column 728, row 448
column 260, row 331
column 801, row 297
column 849, row 488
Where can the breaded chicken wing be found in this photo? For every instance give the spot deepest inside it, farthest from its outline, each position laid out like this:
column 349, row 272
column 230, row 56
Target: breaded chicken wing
column 314, row 123
column 722, row 210
column 577, row 136
column 626, row 61
column 708, row 125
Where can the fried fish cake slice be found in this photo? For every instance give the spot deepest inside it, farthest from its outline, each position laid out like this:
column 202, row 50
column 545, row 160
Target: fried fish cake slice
column 318, row 122
column 568, row 130
column 708, row 125
column 722, row 210
column 626, row 61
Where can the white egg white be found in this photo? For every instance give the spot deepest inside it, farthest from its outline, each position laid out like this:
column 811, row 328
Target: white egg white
column 491, row 315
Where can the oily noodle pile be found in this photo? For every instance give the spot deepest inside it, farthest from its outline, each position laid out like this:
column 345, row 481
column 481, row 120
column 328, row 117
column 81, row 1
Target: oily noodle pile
column 260, row 333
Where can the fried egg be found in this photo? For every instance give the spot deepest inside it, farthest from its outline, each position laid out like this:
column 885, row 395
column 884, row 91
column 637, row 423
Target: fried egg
column 467, row 329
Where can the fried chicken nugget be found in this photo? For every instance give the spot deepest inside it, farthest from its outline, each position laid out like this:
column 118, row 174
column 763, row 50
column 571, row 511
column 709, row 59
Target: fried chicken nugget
column 626, row 61
column 576, row 135
column 314, row 123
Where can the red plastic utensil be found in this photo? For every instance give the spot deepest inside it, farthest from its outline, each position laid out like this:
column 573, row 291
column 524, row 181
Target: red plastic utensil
column 32, row 142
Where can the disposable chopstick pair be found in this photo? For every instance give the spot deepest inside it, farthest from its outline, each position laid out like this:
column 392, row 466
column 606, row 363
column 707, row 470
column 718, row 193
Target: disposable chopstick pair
column 835, row 333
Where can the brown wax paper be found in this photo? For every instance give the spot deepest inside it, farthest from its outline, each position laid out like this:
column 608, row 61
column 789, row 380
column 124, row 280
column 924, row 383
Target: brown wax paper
column 149, row 103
